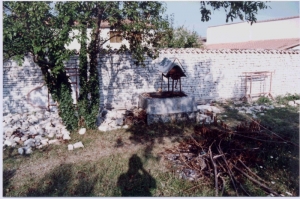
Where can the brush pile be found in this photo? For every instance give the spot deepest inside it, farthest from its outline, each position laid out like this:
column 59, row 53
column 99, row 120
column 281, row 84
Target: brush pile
column 215, row 152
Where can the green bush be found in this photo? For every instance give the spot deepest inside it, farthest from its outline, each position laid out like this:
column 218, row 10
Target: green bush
column 263, row 100
column 286, row 98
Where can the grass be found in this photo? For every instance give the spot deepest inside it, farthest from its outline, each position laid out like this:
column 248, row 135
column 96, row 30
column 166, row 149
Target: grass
column 129, row 162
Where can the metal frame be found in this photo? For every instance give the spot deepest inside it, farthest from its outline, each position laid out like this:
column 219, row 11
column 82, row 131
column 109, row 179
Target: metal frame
column 249, row 76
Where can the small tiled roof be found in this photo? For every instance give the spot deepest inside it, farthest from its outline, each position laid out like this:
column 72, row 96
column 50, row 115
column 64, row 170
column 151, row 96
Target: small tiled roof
column 274, row 44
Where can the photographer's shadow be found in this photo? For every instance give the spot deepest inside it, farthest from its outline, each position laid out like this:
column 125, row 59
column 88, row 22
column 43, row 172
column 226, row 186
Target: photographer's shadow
column 137, row 181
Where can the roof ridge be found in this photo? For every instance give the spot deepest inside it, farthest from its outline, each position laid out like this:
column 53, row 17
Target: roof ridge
column 261, row 21
column 213, row 51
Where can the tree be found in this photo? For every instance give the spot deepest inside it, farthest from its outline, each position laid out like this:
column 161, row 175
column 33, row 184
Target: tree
column 42, row 29
column 181, row 38
column 241, row 9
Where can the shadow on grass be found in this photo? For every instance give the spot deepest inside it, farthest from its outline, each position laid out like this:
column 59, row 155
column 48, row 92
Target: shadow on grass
column 7, row 175
column 136, row 181
column 64, row 180
column 149, row 134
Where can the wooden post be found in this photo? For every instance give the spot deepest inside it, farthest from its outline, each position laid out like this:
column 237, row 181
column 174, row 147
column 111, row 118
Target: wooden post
column 180, row 84
column 172, row 85
column 162, row 79
column 168, row 83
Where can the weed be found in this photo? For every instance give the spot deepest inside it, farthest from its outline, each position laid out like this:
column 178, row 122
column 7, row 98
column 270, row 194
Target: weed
column 263, row 100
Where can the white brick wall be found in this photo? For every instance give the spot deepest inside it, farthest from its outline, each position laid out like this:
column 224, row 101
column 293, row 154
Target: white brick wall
column 211, row 74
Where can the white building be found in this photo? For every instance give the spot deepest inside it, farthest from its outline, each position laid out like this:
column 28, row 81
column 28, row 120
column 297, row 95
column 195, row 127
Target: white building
column 280, row 34
column 105, row 34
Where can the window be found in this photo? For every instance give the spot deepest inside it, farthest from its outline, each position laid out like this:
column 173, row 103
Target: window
column 115, row 37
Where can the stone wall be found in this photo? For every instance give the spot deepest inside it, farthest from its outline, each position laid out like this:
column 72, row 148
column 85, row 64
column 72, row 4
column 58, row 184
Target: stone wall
column 210, row 74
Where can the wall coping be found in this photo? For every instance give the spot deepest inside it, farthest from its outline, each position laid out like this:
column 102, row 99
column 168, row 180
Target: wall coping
column 224, row 51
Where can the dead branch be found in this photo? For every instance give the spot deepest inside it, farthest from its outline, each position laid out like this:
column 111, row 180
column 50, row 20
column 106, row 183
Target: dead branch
column 223, row 182
column 215, row 169
column 256, row 182
column 249, row 170
column 228, row 168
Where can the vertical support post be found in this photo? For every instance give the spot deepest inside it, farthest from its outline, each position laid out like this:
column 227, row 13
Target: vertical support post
column 172, row 85
column 180, row 84
column 168, row 83
column 162, row 79
column 270, row 86
column 48, row 100
column 250, row 86
column 246, row 85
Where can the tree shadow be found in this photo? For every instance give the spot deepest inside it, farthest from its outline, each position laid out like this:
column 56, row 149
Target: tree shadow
column 136, row 181
column 60, row 182
column 7, row 175
column 148, row 135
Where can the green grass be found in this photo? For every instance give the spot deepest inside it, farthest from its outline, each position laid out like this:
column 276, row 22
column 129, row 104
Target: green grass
column 129, row 162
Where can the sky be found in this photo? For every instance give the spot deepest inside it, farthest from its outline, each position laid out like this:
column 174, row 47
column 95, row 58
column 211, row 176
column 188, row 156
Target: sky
column 187, row 13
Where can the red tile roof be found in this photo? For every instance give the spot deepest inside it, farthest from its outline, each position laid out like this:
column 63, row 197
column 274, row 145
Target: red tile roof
column 274, row 44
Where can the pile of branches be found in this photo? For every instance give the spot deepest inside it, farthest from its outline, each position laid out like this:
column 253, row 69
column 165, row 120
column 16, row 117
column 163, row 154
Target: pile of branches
column 216, row 152
column 136, row 116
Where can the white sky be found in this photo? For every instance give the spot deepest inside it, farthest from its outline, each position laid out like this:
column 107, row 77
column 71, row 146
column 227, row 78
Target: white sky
column 187, row 13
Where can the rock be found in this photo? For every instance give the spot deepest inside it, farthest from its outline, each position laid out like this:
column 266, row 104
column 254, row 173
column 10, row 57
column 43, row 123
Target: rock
column 51, row 135
column 24, row 138
column 17, row 139
column 282, row 106
column 248, row 111
column 262, row 114
column 8, row 142
column 78, row 145
column 9, row 132
column 215, row 109
column 125, row 127
column 297, row 102
column 44, row 142
column 82, row 131
column 292, row 103
column 59, row 136
column 119, row 121
column 28, row 150
column 254, row 116
column 32, row 130
column 103, row 127
column 55, row 141
column 66, row 137
column 288, row 193
column 237, row 102
column 30, row 142
column 203, row 108
column 20, row 151
column 70, row 147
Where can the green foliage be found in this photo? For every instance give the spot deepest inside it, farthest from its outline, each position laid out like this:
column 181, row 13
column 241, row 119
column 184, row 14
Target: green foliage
column 32, row 28
column 263, row 100
column 286, row 98
column 182, row 38
column 244, row 10
column 42, row 29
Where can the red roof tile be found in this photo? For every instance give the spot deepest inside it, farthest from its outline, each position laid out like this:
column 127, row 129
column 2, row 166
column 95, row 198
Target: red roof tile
column 276, row 44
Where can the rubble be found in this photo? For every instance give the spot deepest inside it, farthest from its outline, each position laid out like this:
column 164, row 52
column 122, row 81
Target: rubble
column 33, row 130
column 214, row 150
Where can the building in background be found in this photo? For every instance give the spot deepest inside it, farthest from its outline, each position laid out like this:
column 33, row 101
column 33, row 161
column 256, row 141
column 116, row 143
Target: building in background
column 275, row 34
